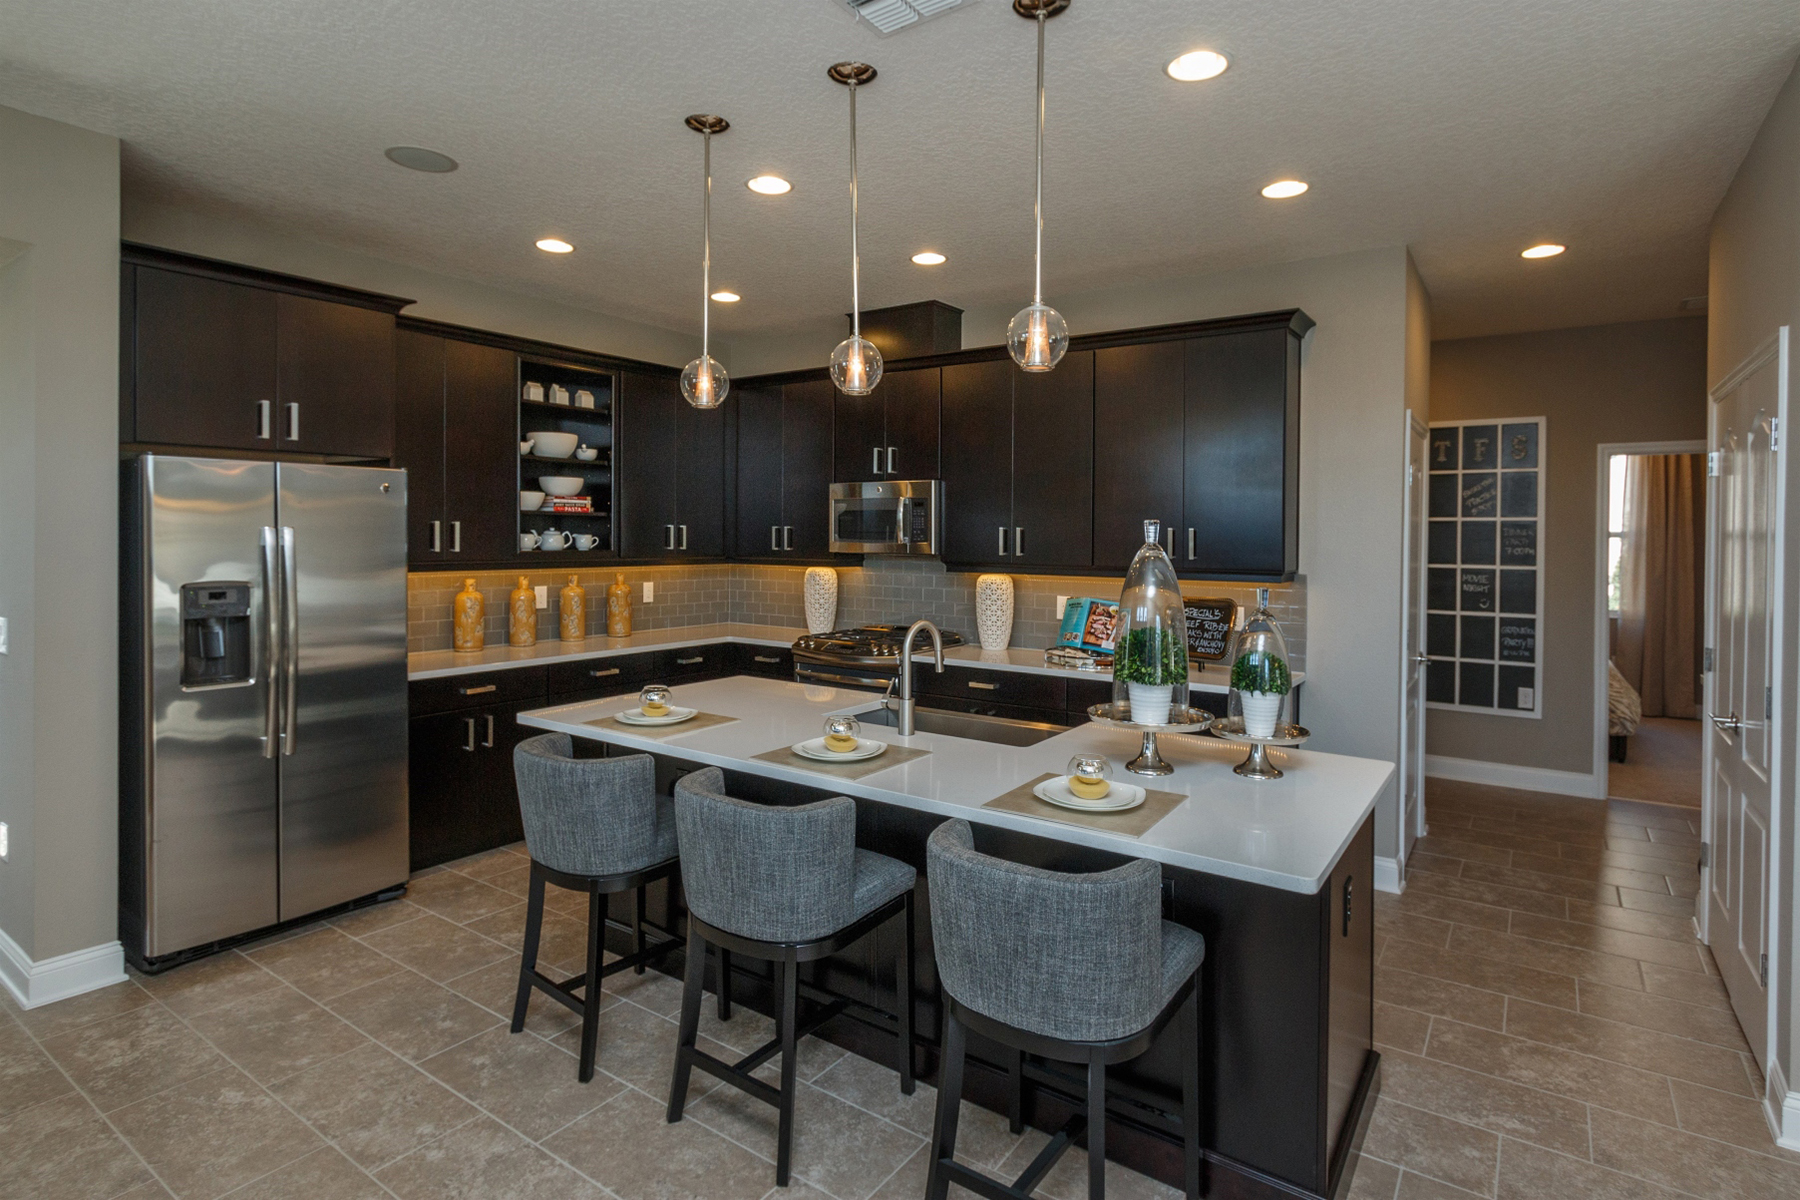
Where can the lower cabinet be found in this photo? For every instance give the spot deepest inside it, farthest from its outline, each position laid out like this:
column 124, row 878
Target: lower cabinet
column 462, row 796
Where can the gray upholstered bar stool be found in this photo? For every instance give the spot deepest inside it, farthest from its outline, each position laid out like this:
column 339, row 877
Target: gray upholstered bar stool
column 1072, row 968
column 594, row 825
column 788, row 886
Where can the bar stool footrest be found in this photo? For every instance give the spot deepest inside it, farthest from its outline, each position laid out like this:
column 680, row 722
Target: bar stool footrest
column 1022, row 1187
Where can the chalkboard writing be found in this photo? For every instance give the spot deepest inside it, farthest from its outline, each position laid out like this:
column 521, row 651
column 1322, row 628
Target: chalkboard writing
column 1209, row 627
column 1479, row 495
column 1518, row 543
column 1478, row 591
column 1518, row 640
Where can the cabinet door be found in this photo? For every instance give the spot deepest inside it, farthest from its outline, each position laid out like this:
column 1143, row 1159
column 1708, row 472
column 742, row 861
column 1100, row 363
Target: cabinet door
column 481, row 452
column 858, row 436
column 977, row 461
column 334, row 378
column 1243, row 453
column 205, row 363
column 1053, row 464
column 699, row 478
column 419, row 442
column 759, row 465
column 806, row 467
column 913, row 410
column 644, row 463
column 1138, row 429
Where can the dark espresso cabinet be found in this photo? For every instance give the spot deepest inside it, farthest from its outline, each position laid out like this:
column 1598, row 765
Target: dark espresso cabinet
column 892, row 433
column 1138, row 446
column 669, row 471
column 783, row 470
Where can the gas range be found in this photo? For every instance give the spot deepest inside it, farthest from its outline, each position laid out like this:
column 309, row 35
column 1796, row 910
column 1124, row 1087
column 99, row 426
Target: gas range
column 868, row 657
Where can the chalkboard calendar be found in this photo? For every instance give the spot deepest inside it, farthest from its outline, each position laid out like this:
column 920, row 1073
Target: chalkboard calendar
column 1484, row 593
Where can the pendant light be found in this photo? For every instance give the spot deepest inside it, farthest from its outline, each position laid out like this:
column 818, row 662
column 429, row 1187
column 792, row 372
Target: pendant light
column 856, row 363
column 704, row 383
column 1038, row 335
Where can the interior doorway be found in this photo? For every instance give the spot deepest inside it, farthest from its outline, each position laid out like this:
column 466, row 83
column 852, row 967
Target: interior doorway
column 1650, row 609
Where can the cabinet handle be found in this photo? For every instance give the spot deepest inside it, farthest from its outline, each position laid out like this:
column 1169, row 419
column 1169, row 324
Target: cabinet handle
column 489, row 744
column 1349, row 893
column 986, row 687
column 875, row 467
column 1193, row 543
column 293, row 412
column 483, row 690
column 890, row 470
column 774, row 537
column 1018, row 541
column 605, row 673
column 263, row 417
column 787, row 537
column 469, row 724
column 1002, row 541
column 668, row 537
column 684, row 537
column 456, row 537
column 688, row 662
column 437, row 537
column 1169, row 541
column 765, row 658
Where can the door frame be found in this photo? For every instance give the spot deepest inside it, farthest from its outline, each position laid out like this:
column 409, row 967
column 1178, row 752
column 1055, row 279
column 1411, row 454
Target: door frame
column 1412, row 640
column 1604, row 452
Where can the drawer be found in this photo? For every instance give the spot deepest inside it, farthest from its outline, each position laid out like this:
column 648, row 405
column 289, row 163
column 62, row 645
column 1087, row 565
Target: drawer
column 478, row 688
column 618, row 672
column 775, row 662
column 994, row 687
column 690, row 661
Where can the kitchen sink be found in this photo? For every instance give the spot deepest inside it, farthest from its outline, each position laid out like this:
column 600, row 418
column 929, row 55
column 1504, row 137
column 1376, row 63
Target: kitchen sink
column 1002, row 731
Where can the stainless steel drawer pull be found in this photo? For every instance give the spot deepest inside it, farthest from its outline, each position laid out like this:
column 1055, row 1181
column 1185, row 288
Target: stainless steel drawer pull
column 688, row 662
column 469, row 724
column 489, row 744
column 787, row 537
column 1002, row 541
column 605, row 673
column 1193, row 542
column 774, row 537
column 263, row 417
column 684, row 537
column 456, row 537
column 890, row 469
column 668, row 537
column 986, row 687
column 875, row 467
column 437, row 536
column 293, row 422
column 768, row 658
column 483, row 690
column 1018, row 540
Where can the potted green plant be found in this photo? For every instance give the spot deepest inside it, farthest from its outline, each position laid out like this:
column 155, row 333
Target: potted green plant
column 1262, row 681
column 1153, row 664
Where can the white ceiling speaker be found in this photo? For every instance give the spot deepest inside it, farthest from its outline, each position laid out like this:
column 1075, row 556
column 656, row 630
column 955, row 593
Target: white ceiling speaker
column 887, row 16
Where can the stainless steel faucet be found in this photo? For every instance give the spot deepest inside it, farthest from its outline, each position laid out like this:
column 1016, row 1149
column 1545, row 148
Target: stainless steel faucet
column 904, row 718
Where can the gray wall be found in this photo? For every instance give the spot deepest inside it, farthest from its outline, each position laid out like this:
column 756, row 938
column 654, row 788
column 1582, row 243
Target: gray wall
column 1640, row 382
column 59, row 403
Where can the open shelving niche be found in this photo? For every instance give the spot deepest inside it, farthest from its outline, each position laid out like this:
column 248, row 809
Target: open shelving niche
column 594, row 426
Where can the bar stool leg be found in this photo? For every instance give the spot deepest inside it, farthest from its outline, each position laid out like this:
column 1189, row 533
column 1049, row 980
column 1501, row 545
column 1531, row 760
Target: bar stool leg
column 590, row 995
column 693, row 991
column 790, row 1020
column 724, row 984
column 1190, row 1093
column 637, row 927
column 534, row 927
column 1015, row 1091
column 1096, row 1128
column 949, row 1108
column 903, row 986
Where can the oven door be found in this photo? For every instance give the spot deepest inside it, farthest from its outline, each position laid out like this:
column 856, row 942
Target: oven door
column 887, row 517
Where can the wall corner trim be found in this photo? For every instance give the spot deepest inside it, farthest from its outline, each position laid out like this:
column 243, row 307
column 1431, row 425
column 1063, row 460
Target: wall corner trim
column 1511, row 775
column 1781, row 1108
column 1387, row 875
column 34, row 984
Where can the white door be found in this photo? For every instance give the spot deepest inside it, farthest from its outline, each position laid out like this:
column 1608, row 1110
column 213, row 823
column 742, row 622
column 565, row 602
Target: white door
column 1739, row 755
column 1412, row 643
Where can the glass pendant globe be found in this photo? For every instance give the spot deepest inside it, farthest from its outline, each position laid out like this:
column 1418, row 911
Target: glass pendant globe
column 856, row 366
column 704, row 382
column 1037, row 337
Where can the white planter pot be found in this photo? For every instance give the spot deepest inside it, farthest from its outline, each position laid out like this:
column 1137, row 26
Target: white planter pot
column 1261, row 711
column 821, row 595
column 994, row 610
column 1150, row 702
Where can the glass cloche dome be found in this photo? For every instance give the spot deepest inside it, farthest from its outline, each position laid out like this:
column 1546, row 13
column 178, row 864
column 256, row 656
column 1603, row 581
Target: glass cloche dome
column 1150, row 661
column 1262, row 687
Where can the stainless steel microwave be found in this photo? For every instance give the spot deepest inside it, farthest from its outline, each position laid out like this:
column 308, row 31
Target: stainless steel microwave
column 890, row 516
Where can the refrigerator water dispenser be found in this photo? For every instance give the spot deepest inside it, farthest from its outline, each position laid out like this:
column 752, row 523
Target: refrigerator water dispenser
column 215, row 634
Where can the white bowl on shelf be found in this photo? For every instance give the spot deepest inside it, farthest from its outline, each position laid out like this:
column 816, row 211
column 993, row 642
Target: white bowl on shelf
column 586, row 453
column 562, row 485
column 530, row 501
column 554, row 445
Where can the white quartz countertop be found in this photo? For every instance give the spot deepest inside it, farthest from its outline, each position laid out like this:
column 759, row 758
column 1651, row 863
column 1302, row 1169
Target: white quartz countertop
column 1286, row 833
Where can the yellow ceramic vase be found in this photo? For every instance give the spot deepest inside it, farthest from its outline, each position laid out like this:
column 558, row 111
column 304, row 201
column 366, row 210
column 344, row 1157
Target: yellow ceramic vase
column 574, row 612
column 618, row 608
column 467, row 610
column 522, row 630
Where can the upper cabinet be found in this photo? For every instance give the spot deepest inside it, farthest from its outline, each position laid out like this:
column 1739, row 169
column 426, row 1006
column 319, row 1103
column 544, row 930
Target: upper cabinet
column 784, row 457
column 892, row 433
column 670, row 471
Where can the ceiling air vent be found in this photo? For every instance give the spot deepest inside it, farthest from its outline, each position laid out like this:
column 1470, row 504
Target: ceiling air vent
column 886, row 16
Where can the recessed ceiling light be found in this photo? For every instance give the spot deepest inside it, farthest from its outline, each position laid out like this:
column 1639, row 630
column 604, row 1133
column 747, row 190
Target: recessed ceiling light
column 1196, row 65
column 1543, row 250
column 554, row 246
column 1284, row 189
column 726, row 297
column 770, row 185
column 928, row 258
column 418, row 158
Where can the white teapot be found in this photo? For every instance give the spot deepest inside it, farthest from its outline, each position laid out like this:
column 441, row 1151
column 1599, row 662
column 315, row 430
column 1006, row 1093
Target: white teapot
column 552, row 539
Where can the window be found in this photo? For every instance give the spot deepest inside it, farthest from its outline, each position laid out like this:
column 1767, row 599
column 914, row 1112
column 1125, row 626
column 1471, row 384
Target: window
column 1615, row 531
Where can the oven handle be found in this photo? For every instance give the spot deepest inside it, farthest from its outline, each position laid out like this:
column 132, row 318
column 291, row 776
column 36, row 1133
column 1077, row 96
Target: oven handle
column 813, row 674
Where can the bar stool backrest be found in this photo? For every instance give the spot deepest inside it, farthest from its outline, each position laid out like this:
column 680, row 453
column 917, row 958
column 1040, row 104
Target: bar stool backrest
column 588, row 816
column 772, row 873
column 1071, row 956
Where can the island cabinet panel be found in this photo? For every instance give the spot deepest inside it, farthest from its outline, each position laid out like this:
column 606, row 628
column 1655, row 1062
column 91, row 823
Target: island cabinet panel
column 892, row 433
column 1139, row 405
column 204, row 362
column 1053, row 464
column 669, row 472
column 783, row 471
column 1242, row 485
column 977, row 458
column 455, row 432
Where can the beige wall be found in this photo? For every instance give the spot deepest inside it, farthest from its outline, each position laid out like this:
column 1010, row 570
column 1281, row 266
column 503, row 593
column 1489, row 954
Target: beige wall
column 1754, row 291
column 59, row 387
column 1639, row 382
column 439, row 297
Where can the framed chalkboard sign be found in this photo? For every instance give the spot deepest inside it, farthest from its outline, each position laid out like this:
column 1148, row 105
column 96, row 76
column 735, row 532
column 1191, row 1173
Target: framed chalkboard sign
column 1484, row 590
column 1209, row 625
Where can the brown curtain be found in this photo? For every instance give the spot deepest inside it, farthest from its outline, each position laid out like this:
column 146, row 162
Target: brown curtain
column 1662, row 574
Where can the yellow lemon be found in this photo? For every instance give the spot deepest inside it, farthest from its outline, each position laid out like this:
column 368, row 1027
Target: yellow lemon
column 1088, row 788
column 654, row 709
column 843, row 743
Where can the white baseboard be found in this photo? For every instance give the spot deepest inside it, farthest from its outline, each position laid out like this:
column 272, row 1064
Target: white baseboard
column 37, row 983
column 1781, row 1108
column 1387, row 875
column 1510, row 775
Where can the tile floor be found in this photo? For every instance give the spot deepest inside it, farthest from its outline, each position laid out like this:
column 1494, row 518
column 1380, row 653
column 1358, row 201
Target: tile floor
column 1549, row 1026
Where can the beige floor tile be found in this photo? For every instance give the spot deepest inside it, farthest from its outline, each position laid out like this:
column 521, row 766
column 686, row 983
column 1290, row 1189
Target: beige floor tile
column 1548, row 956
column 324, row 963
column 373, row 1106
column 1503, row 840
column 123, row 1059
column 1400, row 1028
column 50, row 1020
column 845, row 1150
column 377, row 916
column 1530, row 1173
column 1374, row 1180
column 27, row 1074
column 213, row 1134
column 562, row 939
column 1673, row 837
column 1414, row 1186
column 322, row 1175
column 1394, row 922
column 1674, row 929
column 652, row 990
column 276, row 1033
column 1446, row 1150
column 146, row 1191
column 495, row 988
column 63, row 1150
column 514, row 880
column 1726, row 1118
column 1701, row 1022
column 436, row 948
column 1436, row 864
column 1474, row 851
column 1577, row 1076
column 522, row 1080
column 1687, row 1162
column 1679, row 1057
column 1610, row 869
column 1656, row 902
column 1068, row 1179
column 1433, row 996
column 1686, row 986
column 1534, row 881
column 489, row 863
column 1444, row 908
column 457, row 897
column 1477, row 971
column 484, row 1161
column 1494, row 895
column 638, row 1047
column 412, row 1016
column 983, row 1138
column 208, row 983
column 1618, row 942
column 749, row 1030
column 629, row 1148
column 1667, row 856
column 1505, row 1108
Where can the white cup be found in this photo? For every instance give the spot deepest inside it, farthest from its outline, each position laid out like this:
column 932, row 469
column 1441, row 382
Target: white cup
column 559, row 394
column 584, row 399
column 528, row 540
column 534, row 392
column 526, row 445
column 586, row 541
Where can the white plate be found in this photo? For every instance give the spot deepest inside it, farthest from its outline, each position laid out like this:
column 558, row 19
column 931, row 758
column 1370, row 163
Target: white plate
column 815, row 749
column 1119, row 798
column 677, row 715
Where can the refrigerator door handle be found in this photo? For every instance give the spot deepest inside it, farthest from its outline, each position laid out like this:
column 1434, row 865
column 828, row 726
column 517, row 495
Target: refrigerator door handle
column 290, row 647
column 271, row 568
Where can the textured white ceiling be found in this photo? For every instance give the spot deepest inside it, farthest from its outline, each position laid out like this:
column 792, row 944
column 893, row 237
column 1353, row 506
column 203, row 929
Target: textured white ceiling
column 1465, row 129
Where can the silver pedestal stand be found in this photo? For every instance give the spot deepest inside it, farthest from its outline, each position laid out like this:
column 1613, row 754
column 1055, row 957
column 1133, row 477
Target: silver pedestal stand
column 1257, row 765
column 1149, row 761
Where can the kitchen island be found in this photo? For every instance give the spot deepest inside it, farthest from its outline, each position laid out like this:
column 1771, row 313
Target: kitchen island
column 1277, row 875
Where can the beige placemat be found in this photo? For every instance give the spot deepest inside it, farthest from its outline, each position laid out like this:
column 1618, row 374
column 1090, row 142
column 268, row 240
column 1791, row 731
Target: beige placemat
column 1133, row 822
column 699, row 721
column 893, row 756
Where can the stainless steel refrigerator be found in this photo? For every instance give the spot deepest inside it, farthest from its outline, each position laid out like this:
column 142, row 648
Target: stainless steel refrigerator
column 264, row 697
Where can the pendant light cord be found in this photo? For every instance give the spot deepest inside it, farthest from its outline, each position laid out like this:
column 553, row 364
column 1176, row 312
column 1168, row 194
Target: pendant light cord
column 855, row 255
column 706, row 253
column 1038, row 207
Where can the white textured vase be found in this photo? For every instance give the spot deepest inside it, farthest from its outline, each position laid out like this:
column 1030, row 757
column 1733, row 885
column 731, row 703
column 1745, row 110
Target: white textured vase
column 1150, row 702
column 821, row 589
column 994, row 610
column 1261, row 709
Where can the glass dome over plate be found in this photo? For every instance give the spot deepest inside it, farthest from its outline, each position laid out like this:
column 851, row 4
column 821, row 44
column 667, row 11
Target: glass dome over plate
column 1150, row 660
column 653, row 696
column 1262, row 686
column 843, row 726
